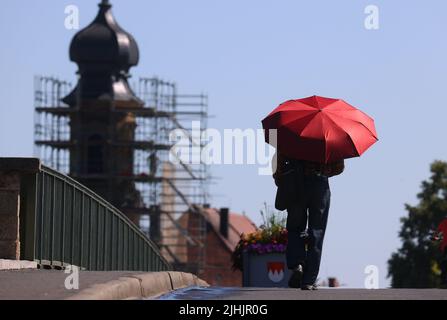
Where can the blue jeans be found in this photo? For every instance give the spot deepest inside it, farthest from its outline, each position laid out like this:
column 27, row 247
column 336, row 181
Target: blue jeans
column 311, row 207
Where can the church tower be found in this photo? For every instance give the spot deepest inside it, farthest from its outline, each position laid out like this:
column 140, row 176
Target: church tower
column 118, row 142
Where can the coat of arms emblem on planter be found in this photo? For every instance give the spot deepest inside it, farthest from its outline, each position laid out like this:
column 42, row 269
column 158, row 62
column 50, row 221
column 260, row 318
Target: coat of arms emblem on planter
column 275, row 271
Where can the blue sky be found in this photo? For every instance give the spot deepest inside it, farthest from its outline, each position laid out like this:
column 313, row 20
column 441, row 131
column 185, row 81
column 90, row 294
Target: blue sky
column 249, row 56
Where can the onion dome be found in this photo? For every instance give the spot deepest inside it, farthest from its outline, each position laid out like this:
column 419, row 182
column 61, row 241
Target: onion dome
column 104, row 53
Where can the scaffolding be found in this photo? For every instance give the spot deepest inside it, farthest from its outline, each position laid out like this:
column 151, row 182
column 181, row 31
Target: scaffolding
column 172, row 190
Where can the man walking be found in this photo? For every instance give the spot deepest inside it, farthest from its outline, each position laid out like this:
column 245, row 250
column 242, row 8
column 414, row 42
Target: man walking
column 303, row 189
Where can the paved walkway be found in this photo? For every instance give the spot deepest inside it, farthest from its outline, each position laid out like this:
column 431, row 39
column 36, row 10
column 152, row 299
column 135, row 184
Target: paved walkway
column 50, row 285
column 254, row 294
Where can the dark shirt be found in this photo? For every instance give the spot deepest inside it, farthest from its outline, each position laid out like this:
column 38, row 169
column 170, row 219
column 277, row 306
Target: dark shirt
column 309, row 168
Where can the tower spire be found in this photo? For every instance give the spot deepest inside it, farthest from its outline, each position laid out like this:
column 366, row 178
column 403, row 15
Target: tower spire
column 105, row 3
column 104, row 53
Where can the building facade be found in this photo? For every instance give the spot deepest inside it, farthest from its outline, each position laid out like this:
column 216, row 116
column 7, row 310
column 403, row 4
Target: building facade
column 224, row 229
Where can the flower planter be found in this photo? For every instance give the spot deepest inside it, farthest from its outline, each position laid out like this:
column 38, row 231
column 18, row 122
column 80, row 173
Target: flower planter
column 265, row 270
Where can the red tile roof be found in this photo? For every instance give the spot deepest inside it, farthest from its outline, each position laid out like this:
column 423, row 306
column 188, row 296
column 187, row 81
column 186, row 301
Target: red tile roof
column 237, row 224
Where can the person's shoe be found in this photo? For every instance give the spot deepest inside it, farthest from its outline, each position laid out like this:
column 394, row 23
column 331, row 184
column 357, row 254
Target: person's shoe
column 295, row 278
column 309, row 287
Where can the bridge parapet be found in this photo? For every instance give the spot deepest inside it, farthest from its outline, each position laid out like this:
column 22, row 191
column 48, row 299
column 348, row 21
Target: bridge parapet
column 50, row 218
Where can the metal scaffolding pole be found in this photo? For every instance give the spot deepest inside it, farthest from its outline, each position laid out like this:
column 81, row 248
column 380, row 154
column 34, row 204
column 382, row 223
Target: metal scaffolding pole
column 171, row 193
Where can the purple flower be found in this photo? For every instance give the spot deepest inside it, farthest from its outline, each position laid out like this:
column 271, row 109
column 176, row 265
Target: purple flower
column 264, row 247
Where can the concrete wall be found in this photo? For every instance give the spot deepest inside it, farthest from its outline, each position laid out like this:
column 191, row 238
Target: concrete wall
column 9, row 215
column 17, row 177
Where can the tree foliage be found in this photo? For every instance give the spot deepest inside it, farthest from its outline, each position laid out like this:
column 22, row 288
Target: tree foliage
column 416, row 263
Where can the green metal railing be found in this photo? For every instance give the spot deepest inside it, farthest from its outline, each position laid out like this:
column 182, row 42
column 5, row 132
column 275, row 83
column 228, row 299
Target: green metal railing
column 75, row 226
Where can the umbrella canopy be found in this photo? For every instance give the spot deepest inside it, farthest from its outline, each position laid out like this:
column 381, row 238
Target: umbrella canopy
column 320, row 129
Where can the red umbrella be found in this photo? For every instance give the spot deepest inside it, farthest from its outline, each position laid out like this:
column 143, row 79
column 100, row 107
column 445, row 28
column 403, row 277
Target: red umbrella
column 320, row 129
